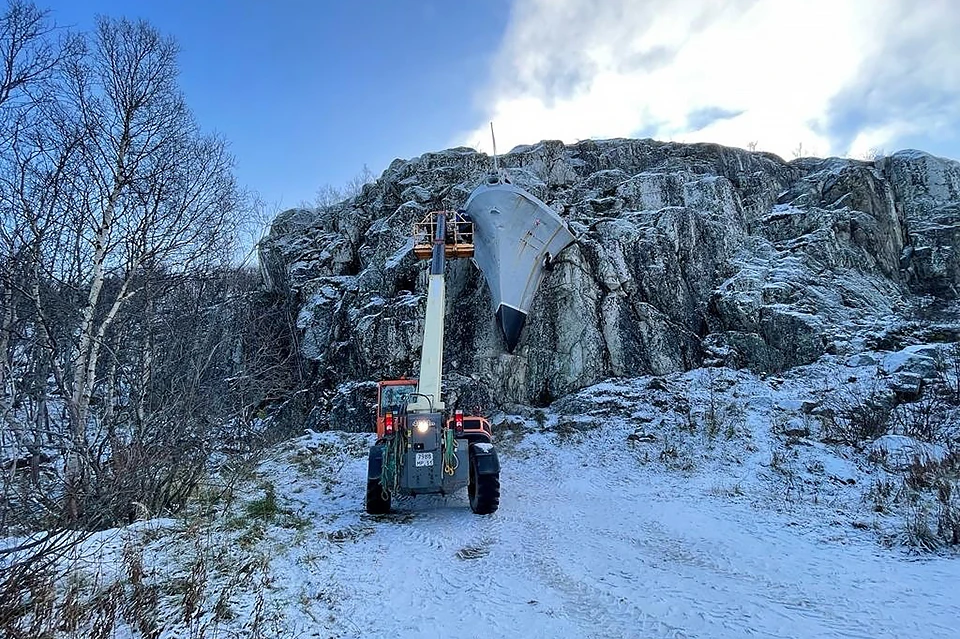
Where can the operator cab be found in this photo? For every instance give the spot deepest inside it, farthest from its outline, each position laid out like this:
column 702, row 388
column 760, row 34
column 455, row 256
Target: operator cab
column 392, row 398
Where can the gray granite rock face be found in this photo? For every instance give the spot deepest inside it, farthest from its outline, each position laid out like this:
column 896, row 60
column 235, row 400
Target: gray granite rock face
column 686, row 254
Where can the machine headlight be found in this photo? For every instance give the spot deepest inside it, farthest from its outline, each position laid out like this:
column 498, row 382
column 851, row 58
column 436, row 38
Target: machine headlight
column 422, row 425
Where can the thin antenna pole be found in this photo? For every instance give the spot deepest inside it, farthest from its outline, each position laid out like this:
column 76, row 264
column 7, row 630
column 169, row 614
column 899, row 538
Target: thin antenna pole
column 496, row 162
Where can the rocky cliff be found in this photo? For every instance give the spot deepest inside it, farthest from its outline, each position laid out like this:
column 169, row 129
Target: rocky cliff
column 686, row 255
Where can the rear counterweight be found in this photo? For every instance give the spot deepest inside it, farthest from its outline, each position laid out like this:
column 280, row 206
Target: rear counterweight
column 422, row 460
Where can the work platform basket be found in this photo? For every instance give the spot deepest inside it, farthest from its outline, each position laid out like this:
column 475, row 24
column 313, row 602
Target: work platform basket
column 458, row 239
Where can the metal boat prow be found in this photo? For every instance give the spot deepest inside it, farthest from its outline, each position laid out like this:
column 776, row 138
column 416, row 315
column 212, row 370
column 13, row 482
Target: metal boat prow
column 516, row 238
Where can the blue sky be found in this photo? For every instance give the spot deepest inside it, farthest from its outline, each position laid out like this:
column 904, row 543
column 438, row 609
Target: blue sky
column 308, row 92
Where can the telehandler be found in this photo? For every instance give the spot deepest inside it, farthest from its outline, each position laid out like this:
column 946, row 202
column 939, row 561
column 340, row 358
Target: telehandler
column 421, row 448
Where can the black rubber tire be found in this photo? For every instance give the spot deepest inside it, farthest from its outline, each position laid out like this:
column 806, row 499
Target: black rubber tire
column 484, row 491
column 374, row 502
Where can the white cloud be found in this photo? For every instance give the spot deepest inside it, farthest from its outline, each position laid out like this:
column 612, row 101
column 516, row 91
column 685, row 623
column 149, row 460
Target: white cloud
column 574, row 69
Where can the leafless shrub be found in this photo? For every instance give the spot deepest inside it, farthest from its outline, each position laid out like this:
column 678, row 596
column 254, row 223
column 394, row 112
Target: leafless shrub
column 923, row 419
column 141, row 602
column 711, row 416
column 71, row 608
column 28, row 572
column 918, row 532
column 922, row 474
column 882, row 493
column 781, row 462
column 948, row 369
column 727, row 490
column 935, row 490
column 43, row 597
column 328, row 195
column 193, row 596
column 948, row 517
column 857, row 414
column 668, row 450
column 105, row 611
column 254, row 627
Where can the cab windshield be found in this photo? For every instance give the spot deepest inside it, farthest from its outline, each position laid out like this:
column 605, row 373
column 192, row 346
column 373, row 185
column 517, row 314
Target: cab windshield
column 393, row 398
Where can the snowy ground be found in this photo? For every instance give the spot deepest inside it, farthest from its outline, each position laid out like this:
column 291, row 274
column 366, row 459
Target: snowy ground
column 624, row 513
column 581, row 548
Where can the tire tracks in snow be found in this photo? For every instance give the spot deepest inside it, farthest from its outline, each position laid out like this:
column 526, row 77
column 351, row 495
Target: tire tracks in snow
column 650, row 550
column 586, row 545
column 599, row 610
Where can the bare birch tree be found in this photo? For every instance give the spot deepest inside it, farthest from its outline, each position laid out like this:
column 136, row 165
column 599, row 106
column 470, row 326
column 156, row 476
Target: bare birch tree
column 110, row 191
column 31, row 50
column 157, row 193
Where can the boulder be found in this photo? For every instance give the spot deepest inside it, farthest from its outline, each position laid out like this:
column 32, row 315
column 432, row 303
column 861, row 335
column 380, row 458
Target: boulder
column 919, row 360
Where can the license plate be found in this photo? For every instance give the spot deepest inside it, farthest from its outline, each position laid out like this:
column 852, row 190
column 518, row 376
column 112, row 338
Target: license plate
column 424, row 459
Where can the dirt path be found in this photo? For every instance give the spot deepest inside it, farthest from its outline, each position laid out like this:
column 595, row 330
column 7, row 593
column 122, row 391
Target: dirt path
column 581, row 548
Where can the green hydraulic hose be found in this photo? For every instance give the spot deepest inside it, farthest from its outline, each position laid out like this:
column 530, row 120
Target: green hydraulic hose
column 450, row 461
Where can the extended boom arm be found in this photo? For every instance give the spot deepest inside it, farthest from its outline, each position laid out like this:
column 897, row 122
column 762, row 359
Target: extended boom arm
column 431, row 354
